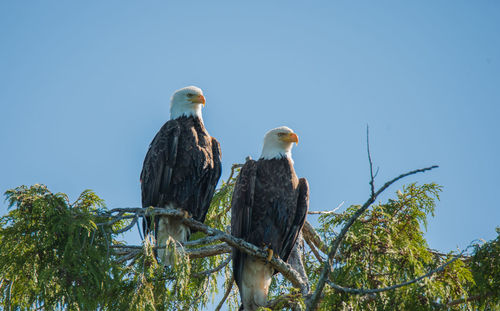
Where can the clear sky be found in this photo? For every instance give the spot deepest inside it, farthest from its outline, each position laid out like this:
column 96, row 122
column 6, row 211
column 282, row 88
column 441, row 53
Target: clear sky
column 85, row 85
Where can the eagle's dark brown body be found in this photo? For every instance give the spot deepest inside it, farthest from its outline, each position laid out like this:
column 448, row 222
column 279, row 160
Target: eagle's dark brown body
column 269, row 208
column 181, row 169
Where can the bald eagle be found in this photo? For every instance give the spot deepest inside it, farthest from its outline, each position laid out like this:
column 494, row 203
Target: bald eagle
column 268, row 209
column 181, row 169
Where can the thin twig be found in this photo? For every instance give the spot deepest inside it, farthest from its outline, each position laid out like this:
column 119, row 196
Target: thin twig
column 440, row 254
column 210, row 271
column 372, row 178
column 128, row 256
column 226, row 294
column 314, row 299
column 327, row 212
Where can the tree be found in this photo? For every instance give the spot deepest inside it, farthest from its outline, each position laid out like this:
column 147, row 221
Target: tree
column 60, row 255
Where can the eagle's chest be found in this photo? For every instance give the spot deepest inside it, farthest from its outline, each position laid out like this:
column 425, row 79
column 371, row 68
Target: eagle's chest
column 195, row 149
column 276, row 182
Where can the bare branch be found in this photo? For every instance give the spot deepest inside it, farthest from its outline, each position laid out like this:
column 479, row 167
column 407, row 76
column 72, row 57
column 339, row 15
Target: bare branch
column 314, row 251
column 314, row 299
column 200, row 252
column 322, row 213
column 312, row 237
column 208, row 251
column 372, row 178
column 205, row 240
column 132, row 254
column 285, row 269
column 327, row 212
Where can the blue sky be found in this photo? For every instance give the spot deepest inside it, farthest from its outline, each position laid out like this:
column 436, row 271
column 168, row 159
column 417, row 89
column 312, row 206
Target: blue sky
column 84, row 87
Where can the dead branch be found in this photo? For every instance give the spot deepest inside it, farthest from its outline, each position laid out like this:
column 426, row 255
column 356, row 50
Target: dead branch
column 372, row 178
column 327, row 212
column 312, row 237
column 314, row 251
column 312, row 302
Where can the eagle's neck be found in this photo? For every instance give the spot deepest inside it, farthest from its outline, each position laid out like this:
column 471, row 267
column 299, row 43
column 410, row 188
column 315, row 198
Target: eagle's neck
column 178, row 111
column 275, row 152
column 195, row 122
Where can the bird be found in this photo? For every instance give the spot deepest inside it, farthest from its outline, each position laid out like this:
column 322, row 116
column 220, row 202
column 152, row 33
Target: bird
column 268, row 209
column 181, row 170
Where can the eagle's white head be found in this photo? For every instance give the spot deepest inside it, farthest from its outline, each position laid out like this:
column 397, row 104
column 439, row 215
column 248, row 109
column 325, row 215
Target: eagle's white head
column 187, row 102
column 278, row 143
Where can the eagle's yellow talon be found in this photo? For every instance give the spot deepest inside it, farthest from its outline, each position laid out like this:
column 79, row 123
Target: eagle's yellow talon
column 269, row 254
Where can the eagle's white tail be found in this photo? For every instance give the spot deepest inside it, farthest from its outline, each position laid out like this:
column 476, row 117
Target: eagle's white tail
column 170, row 227
column 256, row 278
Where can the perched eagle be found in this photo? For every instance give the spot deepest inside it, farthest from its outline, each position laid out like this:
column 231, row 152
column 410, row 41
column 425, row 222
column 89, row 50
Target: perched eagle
column 268, row 209
column 181, row 169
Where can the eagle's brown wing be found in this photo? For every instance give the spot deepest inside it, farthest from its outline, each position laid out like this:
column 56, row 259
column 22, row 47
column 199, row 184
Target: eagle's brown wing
column 159, row 163
column 241, row 212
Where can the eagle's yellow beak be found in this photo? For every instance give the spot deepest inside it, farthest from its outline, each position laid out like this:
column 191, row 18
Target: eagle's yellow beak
column 290, row 138
column 200, row 99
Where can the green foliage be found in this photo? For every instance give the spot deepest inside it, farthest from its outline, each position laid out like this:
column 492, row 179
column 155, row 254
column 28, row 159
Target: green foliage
column 57, row 255
column 485, row 267
column 387, row 247
column 183, row 286
column 52, row 254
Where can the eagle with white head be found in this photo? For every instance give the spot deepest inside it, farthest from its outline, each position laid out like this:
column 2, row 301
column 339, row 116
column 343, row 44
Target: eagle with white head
column 181, row 169
column 268, row 209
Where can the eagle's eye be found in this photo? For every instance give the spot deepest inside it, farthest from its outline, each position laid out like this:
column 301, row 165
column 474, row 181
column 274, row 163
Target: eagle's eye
column 281, row 134
column 189, row 95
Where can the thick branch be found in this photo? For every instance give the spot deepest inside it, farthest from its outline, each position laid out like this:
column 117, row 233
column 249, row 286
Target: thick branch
column 285, row 269
column 205, row 251
column 314, row 299
column 205, row 240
